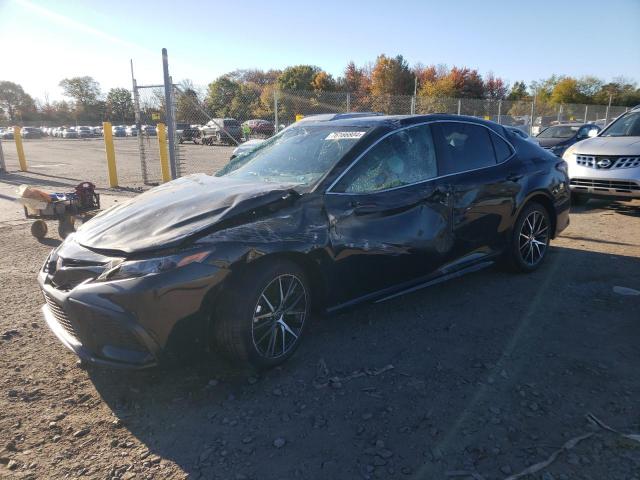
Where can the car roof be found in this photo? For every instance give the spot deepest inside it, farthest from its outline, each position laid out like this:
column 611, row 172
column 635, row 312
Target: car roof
column 369, row 119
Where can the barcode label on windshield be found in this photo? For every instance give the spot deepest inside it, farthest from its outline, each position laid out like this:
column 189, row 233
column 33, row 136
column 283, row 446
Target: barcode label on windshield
column 344, row 135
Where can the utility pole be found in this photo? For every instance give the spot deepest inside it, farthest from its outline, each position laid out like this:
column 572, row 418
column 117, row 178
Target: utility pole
column 606, row 117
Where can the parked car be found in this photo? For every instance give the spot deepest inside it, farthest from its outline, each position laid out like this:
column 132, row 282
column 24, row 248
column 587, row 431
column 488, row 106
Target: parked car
column 223, row 130
column 84, row 132
column 246, row 147
column 328, row 213
column 30, row 132
column 96, row 131
column 607, row 165
column 259, row 128
column 132, row 131
column 558, row 138
column 119, row 131
column 187, row 133
column 150, row 130
column 69, row 132
column 7, row 133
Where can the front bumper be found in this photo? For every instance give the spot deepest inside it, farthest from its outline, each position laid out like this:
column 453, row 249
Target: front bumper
column 126, row 323
column 604, row 182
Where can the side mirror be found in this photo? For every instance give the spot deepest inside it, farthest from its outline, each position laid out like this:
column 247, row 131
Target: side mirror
column 593, row 133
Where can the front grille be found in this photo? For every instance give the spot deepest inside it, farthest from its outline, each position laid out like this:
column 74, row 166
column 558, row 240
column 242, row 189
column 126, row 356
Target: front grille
column 620, row 186
column 60, row 315
column 605, row 162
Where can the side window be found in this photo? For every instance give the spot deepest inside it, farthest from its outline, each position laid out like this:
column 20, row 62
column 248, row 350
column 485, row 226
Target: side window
column 403, row 158
column 502, row 149
column 465, row 147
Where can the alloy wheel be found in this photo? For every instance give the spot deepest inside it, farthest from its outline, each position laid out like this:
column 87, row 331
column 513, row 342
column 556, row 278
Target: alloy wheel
column 279, row 316
column 534, row 237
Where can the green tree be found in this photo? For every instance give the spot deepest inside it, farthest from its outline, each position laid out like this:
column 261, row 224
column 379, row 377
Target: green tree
column 84, row 90
column 220, row 95
column 120, row 105
column 323, row 82
column 298, row 77
column 518, row 91
column 567, row 90
column 15, row 103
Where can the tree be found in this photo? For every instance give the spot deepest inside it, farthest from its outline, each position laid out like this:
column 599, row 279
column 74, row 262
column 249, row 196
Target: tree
column 84, row 90
column 567, row 91
column 356, row 79
column 120, row 105
column 323, row 82
column 14, row 101
column 494, row 87
column 220, row 94
column 518, row 91
column 391, row 76
column 299, row 77
column 257, row 76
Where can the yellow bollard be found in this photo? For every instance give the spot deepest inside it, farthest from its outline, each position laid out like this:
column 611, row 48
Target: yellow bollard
column 111, row 154
column 164, row 157
column 18, row 139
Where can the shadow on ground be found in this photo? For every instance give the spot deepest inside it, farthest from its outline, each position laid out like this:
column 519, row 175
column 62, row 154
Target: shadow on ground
column 489, row 372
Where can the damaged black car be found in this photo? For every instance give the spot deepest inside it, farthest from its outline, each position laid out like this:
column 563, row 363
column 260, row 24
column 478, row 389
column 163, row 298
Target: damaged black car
column 332, row 211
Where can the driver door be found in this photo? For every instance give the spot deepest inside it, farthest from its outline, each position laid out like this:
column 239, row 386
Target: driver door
column 389, row 217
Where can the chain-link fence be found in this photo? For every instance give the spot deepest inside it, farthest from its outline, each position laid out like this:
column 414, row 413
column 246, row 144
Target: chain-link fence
column 209, row 129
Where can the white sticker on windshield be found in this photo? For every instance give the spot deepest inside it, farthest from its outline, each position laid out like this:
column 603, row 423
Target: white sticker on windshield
column 344, row 135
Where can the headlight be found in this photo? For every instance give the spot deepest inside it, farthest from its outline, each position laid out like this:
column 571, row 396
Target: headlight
column 118, row 269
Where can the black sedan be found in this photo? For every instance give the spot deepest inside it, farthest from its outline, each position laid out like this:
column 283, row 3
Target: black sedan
column 332, row 211
column 558, row 138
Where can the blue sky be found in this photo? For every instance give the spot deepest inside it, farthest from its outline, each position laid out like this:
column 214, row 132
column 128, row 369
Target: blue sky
column 514, row 39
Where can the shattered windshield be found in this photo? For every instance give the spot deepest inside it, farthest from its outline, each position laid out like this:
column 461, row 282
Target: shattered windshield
column 300, row 154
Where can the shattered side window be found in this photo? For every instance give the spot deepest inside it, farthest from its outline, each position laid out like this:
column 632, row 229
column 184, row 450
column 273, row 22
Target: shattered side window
column 301, row 155
column 403, row 158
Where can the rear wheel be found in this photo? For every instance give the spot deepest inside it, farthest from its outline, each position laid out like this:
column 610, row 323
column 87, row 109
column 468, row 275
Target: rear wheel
column 262, row 314
column 530, row 239
column 39, row 229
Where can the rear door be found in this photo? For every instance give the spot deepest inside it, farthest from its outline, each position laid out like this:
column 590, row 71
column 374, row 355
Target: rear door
column 389, row 217
column 484, row 183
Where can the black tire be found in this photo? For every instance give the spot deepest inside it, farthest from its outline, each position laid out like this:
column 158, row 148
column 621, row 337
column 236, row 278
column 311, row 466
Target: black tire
column 526, row 254
column 39, row 229
column 218, row 137
column 579, row 199
column 237, row 329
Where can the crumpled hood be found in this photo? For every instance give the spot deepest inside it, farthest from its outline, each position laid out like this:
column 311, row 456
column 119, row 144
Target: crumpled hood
column 166, row 215
column 609, row 146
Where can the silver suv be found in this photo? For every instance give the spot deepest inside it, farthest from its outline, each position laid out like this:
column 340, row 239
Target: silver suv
column 607, row 165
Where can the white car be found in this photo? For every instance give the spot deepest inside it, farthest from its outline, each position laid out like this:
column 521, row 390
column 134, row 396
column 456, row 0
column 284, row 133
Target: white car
column 607, row 165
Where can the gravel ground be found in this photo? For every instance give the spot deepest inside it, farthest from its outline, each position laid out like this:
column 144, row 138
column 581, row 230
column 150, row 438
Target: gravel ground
column 477, row 378
column 57, row 160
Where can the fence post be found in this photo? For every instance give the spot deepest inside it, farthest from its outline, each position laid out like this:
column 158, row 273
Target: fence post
column 275, row 110
column 168, row 107
column 348, row 102
column 500, row 112
column 3, row 166
column 459, row 106
column 413, row 105
column 533, row 111
column 606, row 116
column 17, row 136
column 162, row 146
column 586, row 110
column 111, row 154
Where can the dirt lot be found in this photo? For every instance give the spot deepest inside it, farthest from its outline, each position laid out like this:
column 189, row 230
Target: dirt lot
column 58, row 160
column 477, row 378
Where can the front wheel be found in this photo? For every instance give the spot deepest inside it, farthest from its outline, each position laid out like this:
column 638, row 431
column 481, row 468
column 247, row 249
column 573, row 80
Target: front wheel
column 262, row 314
column 530, row 239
